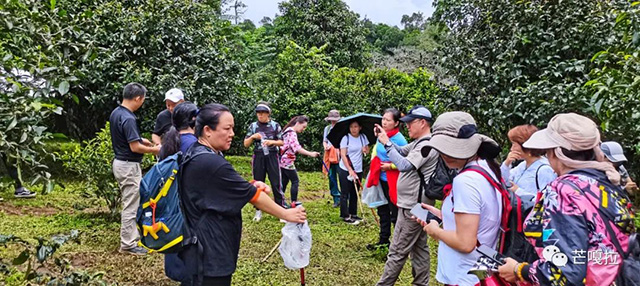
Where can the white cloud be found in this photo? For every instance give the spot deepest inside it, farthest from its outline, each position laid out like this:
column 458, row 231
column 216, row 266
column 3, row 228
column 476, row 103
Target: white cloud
column 379, row 11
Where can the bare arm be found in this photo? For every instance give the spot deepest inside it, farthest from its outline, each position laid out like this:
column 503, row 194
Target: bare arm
column 274, row 142
column 265, row 203
column 308, row 153
column 140, row 148
column 464, row 238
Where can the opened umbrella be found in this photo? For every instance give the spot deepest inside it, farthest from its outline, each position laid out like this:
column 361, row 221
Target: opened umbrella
column 367, row 121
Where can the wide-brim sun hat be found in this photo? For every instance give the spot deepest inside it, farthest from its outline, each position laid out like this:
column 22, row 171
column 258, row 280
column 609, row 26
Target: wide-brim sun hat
column 334, row 115
column 455, row 134
column 570, row 131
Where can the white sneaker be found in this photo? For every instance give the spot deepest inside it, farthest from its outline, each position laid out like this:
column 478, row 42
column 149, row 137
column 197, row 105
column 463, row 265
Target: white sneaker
column 258, row 216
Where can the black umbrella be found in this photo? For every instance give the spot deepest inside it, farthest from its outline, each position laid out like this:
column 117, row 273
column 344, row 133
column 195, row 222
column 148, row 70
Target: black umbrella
column 367, row 121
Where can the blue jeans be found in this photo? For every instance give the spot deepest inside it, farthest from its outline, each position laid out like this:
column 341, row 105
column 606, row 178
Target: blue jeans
column 333, row 183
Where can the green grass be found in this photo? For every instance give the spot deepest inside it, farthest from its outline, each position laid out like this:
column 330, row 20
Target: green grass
column 338, row 257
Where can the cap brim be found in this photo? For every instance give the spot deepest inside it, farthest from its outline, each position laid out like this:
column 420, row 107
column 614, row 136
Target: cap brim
column 262, row 109
column 332, row 118
column 458, row 148
column 412, row 117
column 618, row 158
column 174, row 100
column 541, row 140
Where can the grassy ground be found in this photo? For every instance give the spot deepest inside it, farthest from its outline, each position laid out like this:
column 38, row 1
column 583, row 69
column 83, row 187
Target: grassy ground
column 338, row 257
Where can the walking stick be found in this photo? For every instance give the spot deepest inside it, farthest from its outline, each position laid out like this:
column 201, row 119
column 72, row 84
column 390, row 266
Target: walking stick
column 355, row 184
column 375, row 217
column 272, row 251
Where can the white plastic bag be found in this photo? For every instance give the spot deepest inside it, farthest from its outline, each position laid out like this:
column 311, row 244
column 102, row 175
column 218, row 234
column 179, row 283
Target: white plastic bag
column 295, row 247
column 373, row 196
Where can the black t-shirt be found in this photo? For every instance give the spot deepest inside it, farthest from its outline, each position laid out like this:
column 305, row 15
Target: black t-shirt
column 163, row 123
column 214, row 194
column 124, row 130
column 271, row 130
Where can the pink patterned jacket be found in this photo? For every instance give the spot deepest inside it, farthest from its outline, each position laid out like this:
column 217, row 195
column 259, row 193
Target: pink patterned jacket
column 569, row 234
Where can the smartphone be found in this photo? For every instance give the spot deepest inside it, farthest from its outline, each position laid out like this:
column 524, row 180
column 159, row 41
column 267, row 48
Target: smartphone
column 424, row 214
column 491, row 254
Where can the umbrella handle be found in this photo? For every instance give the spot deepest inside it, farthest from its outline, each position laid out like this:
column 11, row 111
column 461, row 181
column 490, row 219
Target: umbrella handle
column 302, row 277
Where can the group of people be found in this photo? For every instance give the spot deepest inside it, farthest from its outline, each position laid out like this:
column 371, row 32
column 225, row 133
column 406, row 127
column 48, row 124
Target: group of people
column 564, row 173
column 574, row 186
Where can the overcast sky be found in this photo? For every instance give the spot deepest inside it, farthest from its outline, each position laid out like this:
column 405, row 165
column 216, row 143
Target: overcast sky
column 379, row 11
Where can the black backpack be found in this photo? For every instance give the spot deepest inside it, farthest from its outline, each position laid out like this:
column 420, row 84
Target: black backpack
column 440, row 180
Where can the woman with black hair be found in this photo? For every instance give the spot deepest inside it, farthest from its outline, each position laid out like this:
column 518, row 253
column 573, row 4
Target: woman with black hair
column 180, row 137
column 386, row 174
column 288, row 154
column 213, row 195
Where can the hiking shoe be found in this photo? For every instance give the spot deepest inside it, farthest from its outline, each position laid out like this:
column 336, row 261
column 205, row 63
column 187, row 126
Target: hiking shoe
column 23, row 192
column 258, row 216
column 134, row 251
column 355, row 217
column 351, row 221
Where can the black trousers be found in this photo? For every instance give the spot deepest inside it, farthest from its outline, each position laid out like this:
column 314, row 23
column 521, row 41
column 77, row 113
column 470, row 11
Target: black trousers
column 268, row 165
column 13, row 172
column 212, row 281
column 290, row 176
column 348, row 196
column 388, row 215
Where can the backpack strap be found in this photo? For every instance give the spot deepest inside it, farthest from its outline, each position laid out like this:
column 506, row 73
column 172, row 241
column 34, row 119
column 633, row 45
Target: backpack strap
column 506, row 202
column 423, row 184
column 538, row 170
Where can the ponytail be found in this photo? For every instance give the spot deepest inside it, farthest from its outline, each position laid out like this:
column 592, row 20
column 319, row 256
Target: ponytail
column 170, row 143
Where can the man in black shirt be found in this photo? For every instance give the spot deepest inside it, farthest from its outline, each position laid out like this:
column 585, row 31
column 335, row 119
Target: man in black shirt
column 129, row 148
column 172, row 98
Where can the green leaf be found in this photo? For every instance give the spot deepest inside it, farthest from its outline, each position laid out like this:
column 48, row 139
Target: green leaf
column 63, row 88
column 52, row 4
column 43, row 252
column 598, row 106
column 635, row 3
column 59, row 136
column 22, row 258
column 75, row 98
column 24, row 137
column 13, row 123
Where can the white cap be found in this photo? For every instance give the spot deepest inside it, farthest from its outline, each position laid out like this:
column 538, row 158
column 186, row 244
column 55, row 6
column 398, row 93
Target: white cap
column 174, row 94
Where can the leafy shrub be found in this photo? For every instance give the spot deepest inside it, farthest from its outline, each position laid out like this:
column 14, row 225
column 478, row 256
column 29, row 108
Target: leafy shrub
column 41, row 252
column 301, row 81
column 92, row 161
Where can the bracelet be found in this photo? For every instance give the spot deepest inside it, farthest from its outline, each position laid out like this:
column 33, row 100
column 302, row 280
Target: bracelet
column 515, row 269
column 519, row 270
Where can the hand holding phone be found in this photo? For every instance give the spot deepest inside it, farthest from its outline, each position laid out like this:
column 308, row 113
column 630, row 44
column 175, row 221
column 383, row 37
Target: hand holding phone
column 424, row 214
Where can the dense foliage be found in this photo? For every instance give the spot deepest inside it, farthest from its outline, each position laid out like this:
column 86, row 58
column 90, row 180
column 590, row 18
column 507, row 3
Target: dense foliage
column 315, row 23
column 522, row 62
column 92, row 162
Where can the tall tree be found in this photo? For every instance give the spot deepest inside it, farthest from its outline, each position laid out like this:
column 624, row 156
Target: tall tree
column 415, row 21
column 315, row 23
column 528, row 59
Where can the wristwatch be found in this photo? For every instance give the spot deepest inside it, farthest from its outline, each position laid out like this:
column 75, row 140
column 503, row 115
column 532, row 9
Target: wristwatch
column 388, row 144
